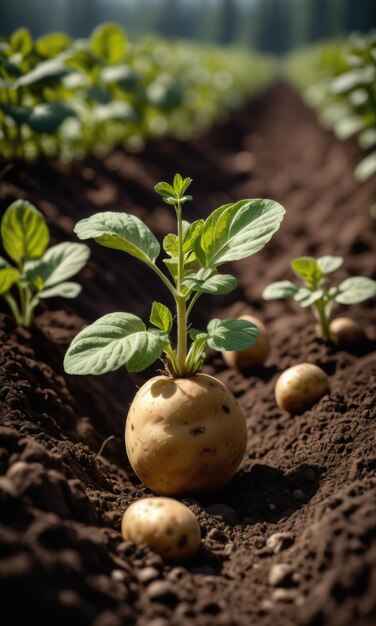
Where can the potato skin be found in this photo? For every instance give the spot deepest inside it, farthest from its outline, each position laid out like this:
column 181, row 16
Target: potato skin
column 300, row 386
column 167, row 526
column 185, row 435
column 256, row 355
column 344, row 331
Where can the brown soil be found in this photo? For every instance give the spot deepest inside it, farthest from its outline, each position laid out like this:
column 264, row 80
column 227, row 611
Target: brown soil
column 305, row 497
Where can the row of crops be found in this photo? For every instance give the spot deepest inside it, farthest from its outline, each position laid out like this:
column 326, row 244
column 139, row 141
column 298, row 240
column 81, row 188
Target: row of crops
column 338, row 79
column 65, row 98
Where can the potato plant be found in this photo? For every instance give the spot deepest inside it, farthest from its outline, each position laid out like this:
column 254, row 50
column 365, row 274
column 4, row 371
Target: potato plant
column 34, row 271
column 338, row 79
column 67, row 97
column 185, row 431
column 317, row 293
column 32, row 104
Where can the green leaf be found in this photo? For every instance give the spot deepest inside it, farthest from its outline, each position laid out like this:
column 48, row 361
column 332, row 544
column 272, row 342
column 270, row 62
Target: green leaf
column 186, row 183
column 98, row 94
column 3, row 262
column 171, row 245
column 63, row 290
column 161, row 317
column 8, row 276
column 19, row 114
column 48, row 116
column 121, row 232
column 191, row 233
column 307, row 268
column 46, row 72
column 366, row 167
column 355, row 290
column 306, row 297
column 367, row 138
column 231, row 334
column 122, row 75
column 21, row 42
column 345, row 127
column 219, row 284
column 24, row 232
column 114, row 340
column 355, row 78
column 181, row 185
column 178, row 183
column 172, row 266
column 196, row 334
column 165, row 190
column 329, row 263
column 235, row 231
column 280, row 289
column 115, row 110
column 52, row 44
column 59, row 263
column 109, row 42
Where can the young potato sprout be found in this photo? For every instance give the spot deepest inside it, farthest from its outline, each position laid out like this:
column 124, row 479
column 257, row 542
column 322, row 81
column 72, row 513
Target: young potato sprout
column 315, row 291
column 300, row 386
column 253, row 356
column 35, row 272
column 155, row 421
column 168, row 527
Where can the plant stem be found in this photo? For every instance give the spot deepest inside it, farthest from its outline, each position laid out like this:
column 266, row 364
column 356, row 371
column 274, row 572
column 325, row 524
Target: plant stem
column 28, row 305
column 14, row 308
column 180, row 246
column 323, row 318
column 181, row 353
column 164, row 279
column 181, row 307
column 29, row 312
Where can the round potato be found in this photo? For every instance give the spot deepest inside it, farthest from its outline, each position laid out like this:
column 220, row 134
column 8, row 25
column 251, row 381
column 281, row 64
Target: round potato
column 344, row 331
column 185, row 435
column 167, row 526
column 256, row 354
column 300, row 386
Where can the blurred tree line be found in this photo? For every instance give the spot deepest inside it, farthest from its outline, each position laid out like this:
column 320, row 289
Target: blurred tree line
column 274, row 26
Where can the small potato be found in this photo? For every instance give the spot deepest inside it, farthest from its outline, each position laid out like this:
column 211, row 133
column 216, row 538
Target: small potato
column 300, row 386
column 167, row 526
column 185, row 435
column 256, row 355
column 344, row 331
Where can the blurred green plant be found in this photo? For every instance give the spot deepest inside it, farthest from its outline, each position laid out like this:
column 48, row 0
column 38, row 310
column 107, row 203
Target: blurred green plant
column 316, row 292
column 338, row 79
column 66, row 98
column 35, row 272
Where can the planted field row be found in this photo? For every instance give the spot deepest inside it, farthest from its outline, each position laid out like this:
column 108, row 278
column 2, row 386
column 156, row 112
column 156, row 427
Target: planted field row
column 338, row 80
column 67, row 97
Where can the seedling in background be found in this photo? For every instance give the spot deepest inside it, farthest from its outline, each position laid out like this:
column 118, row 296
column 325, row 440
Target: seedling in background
column 34, row 272
column 31, row 89
column 316, row 292
column 183, row 414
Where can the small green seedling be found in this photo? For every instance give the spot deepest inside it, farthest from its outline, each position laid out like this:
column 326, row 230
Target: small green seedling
column 316, row 292
column 185, row 432
column 35, row 272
